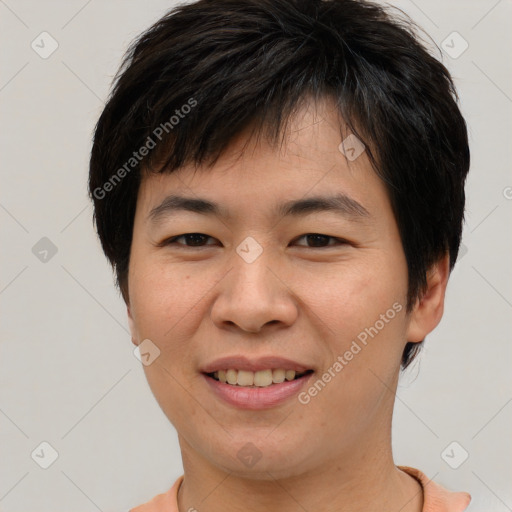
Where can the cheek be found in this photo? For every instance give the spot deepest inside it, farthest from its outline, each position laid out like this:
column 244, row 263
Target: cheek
column 371, row 329
column 166, row 309
column 365, row 345
column 162, row 297
column 352, row 301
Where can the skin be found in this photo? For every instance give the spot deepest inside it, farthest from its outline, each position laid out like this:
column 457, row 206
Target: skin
column 296, row 300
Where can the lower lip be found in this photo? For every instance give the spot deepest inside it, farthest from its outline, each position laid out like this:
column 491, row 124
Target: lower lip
column 257, row 398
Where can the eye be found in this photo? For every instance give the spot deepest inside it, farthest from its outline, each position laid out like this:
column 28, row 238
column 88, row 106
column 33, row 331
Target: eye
column 319, row 241
column 196, row 239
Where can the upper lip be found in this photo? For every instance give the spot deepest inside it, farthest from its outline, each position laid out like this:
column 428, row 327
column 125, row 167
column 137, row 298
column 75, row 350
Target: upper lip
column 254, row 364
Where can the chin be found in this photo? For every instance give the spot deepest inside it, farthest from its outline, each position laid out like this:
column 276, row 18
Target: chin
column 261, row 458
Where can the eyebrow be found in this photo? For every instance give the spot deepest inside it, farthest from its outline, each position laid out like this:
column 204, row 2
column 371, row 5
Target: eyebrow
column 340, row 203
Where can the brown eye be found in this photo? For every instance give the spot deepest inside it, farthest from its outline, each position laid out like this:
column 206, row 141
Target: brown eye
column 313, row 240
column 319, row 241
column 194, row 239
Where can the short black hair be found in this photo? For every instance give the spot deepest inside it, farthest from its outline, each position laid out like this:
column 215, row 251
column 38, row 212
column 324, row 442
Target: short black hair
column 208, row 70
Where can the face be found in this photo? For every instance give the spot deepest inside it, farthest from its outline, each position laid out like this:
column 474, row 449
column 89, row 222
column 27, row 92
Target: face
column 258, row 288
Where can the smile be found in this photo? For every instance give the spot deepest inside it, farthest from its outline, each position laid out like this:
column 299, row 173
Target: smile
column 263, row 393
column 262, row 378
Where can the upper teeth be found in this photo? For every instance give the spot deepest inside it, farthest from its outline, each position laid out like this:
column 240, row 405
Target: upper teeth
column 260, row 378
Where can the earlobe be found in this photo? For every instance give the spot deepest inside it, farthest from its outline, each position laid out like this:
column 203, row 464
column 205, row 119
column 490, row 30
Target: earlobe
column 131, row 324
column 428, row 310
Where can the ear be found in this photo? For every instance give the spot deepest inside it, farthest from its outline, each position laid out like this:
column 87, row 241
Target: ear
column 131, row 324
column 429, row 308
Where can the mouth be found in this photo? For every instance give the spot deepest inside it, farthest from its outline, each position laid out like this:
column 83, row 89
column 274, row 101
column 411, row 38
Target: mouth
column 257, row 390
column 258, row 379
column 255, row 383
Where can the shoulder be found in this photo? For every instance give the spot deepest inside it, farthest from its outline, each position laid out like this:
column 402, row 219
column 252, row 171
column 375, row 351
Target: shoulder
column 165, row 502
column 435, row 497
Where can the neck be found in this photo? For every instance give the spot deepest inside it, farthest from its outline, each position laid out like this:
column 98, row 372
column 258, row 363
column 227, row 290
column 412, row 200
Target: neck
column 360, row 478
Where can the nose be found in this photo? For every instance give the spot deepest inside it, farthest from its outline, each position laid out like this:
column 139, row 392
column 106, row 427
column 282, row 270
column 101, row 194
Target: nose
column 255, row 296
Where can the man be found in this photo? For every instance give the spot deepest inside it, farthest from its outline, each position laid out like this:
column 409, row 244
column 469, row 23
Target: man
column 279, row 186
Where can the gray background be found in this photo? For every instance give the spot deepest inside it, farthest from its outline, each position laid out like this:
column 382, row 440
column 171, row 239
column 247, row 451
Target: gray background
column 68, row 375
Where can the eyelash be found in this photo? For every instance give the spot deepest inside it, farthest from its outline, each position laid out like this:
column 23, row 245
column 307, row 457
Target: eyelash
column 172, row 241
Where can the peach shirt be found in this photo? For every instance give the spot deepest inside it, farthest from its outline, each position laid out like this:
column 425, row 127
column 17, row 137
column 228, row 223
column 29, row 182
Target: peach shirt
column 435, row 497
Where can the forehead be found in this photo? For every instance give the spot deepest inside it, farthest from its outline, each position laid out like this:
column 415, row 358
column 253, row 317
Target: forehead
column 252, row 176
